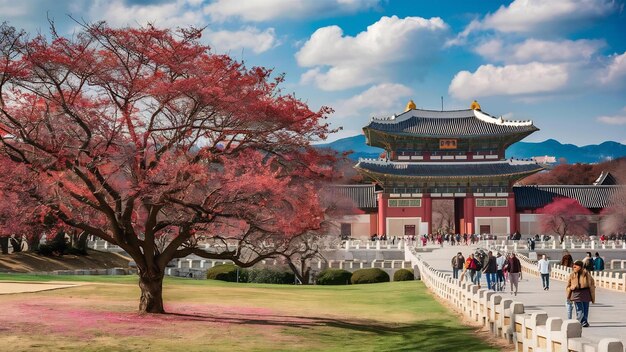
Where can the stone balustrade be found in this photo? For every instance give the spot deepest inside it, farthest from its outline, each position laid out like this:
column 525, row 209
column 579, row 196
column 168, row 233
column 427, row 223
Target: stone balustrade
column 509, row 245
column 506, row 318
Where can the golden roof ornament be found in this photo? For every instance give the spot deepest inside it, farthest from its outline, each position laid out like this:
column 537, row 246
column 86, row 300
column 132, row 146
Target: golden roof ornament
column 475, row 105
column 410, row 105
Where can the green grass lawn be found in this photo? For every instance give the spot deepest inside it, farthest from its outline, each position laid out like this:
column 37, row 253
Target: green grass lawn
column 219, row 316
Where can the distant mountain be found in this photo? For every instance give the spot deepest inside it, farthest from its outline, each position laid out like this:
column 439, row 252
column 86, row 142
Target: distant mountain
column 523, row 150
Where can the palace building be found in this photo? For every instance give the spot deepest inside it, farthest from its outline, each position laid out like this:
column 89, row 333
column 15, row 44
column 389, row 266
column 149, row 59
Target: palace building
column 456, row 155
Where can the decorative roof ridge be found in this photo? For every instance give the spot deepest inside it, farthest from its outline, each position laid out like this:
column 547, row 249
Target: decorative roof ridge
column 572, row 186
column 500, row 120
column 351, row 185
column 401, row 117
column 510, row 161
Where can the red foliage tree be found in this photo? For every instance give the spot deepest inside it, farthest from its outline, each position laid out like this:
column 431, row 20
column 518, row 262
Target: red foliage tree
column 565, row 216
column 21, row 215
column 146, row 139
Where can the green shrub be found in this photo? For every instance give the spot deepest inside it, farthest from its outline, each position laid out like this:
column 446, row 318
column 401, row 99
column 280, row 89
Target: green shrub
column 334, row 277
column 226, row 272
column 403, row 275
column 270, row 276
column 369, row 276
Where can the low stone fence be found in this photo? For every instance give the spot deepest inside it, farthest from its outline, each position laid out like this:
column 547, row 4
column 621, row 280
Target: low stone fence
column 375, row 245
column 506, row 318
column 509, row 245
column 109, row 271
column 102, row 245
column 319, row 265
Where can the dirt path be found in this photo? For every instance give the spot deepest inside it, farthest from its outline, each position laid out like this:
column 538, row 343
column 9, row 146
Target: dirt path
column 8, row 287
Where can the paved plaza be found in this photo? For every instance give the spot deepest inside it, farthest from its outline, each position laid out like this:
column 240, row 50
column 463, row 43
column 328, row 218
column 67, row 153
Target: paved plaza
column 607, row 317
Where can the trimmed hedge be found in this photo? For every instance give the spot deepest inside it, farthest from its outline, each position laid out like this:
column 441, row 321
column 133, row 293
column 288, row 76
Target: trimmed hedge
column 334, row 277
column 226, row 272
column 270, row 276
column 369, row 276
column 403, row 275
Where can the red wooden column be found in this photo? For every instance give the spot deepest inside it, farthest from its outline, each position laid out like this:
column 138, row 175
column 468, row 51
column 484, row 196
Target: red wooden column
column 468, row 211
column 382, row 213
column 512, row 213
column 427, row 205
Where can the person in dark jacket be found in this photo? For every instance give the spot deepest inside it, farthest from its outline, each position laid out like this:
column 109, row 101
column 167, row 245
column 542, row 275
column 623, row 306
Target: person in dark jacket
column 490, row 269
column 598, row 263
column 515, row 272
column 567, row 259
column 458, row 261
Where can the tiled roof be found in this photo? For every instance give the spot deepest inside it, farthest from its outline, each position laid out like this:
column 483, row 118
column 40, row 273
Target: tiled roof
column 605, row 179
column 450, row 124
column 362, row 195
column 439, row 169
column 592, row 197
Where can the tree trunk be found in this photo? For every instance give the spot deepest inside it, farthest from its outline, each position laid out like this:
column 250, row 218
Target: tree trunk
column 79, row 241
column 33, row 242
column 151, row 285
column 4, row 245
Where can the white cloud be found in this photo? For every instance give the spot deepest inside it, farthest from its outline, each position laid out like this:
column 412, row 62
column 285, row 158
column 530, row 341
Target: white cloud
column 11, row 8
column 377, row 99
column 616, row 70
column 266, row 10
column 619, row 119
column 544, row 51
column 249, row 37
column 489, row 80
column 535, row 16
column 339, row 61
column 179, row 13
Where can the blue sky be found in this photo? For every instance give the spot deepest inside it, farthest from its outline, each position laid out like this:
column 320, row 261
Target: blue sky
column 560, row 63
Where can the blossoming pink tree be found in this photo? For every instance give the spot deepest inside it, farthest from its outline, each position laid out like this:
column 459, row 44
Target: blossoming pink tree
column 141, row 135
column 565, row 216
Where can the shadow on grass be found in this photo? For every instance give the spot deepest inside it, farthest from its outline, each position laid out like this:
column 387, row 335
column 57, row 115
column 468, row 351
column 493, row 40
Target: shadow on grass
column 431, row 335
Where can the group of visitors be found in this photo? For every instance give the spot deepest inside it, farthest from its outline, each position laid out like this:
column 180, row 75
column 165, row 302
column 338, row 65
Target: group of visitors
column 580, row 289
column 590, row 263
column 497, row 269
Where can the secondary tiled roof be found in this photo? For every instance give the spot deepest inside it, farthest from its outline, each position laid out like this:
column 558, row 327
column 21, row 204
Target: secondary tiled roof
column 605, row 179
column 362, row 195
column 592, row 197
column 450, row 124
column 496, row 168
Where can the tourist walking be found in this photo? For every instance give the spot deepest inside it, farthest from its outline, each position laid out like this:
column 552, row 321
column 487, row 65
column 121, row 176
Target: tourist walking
column 500, row 260
column 567, row 259
column 458, row 262
column 490, row 269
column 543, row 265
column 479, row 258
column 581, row 290
column 598, row 263
column 470, row 268
column 515, row 272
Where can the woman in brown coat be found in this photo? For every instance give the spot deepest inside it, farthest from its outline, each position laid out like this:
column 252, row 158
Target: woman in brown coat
column 581, row 290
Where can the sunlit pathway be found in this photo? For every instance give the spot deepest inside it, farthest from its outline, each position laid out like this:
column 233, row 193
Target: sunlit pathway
column 23, row 287
column 607, row 317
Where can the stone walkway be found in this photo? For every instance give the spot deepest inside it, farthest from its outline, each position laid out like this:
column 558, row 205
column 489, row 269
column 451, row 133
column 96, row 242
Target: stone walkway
column 9, row 287
column 607, row 317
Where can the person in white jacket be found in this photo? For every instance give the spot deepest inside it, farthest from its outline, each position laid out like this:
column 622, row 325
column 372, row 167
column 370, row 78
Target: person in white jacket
column 543, row 265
